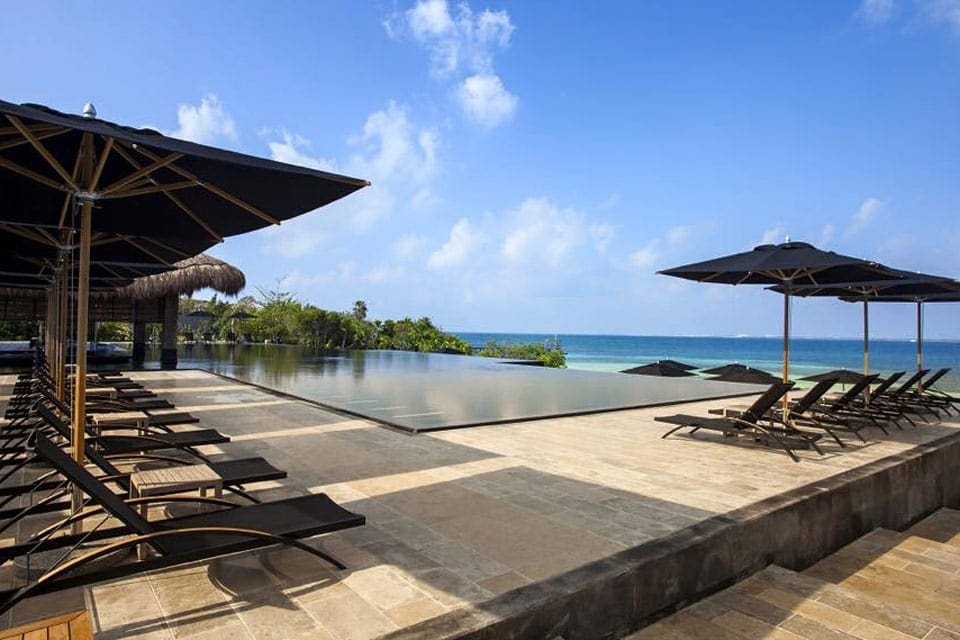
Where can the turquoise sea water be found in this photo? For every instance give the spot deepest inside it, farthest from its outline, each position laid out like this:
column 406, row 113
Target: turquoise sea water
column 808, row 355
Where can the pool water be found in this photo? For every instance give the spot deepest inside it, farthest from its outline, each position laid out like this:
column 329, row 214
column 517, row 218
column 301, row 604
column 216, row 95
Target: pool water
column 428, row 391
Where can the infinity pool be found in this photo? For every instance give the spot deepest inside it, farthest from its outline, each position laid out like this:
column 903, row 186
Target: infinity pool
column 424, row 392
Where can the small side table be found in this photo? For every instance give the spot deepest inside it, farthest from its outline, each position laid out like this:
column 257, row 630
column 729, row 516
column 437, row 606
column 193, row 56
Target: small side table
column 137, row 420
column 193, row 477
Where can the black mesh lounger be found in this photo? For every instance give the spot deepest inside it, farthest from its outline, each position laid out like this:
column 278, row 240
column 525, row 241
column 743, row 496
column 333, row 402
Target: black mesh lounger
column 113, row 445
column 179, row 540
column 801, row 413
column 234, row 474
column 895, row 401
column 747, row 423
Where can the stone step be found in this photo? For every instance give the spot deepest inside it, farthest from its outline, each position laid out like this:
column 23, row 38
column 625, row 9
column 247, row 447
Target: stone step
column 780, row 604
column 942, row 526
column 885, row 566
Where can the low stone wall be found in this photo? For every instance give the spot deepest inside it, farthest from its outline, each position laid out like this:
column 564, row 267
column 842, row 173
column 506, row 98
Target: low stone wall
column 611, row 597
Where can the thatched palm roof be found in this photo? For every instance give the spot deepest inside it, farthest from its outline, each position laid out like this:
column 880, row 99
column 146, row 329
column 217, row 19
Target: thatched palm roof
column 187, row 276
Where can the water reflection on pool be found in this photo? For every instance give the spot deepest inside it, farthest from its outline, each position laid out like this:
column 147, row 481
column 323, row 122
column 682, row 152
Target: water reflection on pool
column 422, row 392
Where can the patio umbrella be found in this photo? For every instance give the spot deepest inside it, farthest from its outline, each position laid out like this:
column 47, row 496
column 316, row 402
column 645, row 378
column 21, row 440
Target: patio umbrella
column 840, row 376
column 55, row 168
column 787, row 264
column 661, row 368
column 748, row 374
column 919, row 299
column 679, row 365
column 910, row 286
column 725, row 369
column 199, row 313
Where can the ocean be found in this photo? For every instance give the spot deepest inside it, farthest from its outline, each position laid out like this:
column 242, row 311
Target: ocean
column 807, row 355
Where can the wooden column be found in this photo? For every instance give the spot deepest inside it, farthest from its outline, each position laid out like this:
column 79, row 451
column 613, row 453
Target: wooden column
column 139, row 351
column 168, row 351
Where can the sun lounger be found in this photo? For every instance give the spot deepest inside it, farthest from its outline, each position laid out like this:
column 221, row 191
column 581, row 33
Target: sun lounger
column 748, row 424
column 175, row 541
column 233, row 473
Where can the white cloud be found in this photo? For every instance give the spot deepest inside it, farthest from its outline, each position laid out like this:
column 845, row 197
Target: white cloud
column 408, row 246
column 865, row 216
column 827, row 235
column 485, row 101
column 602, row 235
column 463, row 240
column 941, row 11
column 541, row 232
column 875, row 12
column 206, row 123
column 462, row 46
column 384, row 274
column 677, row 236
column 290, row 149
column 647, row 256
column 430, row 18
column 294, row 239
column 773, row 235
column 396, row 155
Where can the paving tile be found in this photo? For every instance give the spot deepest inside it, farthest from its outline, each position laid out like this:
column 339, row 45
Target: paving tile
column 382, row 587
column 349, row 617
column 269, row 614
column 415, row 611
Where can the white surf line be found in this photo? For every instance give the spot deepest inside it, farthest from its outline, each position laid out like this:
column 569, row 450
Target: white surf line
column 399, row 406
column 362, row 401
column 417, row 415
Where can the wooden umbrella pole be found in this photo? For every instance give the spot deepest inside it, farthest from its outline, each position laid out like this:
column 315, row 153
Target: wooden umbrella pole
column 920, row 341
column 866, row 338
column 61, row 366
column 83, row 292
column 786, row 347
column 866, row 346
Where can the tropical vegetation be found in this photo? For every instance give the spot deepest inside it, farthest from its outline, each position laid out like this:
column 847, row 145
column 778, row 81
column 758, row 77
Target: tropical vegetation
column 277, row 316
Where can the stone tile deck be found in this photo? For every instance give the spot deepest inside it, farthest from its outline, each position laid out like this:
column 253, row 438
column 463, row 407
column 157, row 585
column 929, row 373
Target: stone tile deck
column 455, row 518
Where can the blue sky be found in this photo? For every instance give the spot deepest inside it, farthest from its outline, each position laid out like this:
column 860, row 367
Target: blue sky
column 535, row 162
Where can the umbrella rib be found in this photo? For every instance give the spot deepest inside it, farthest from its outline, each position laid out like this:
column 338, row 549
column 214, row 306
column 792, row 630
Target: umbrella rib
column 35, row 128
column 43, row 151
column 163, row 245
column 194, row 216
column 43, row 136
column 215, row 189
column 33, row 175
column 101, row 163
column 66, row 198
column 146, row 251
column 25, row 233
column 143, row 171
column 126, row 156
column 157, row 188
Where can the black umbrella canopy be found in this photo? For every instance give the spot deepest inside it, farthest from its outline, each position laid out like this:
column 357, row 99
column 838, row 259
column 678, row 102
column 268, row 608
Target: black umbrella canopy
column 678, row 365
column 748, row 375
column 662, row 368
column 177, row 189
column 727, row 368
column 840, row 376
column 199, row 313
column 794, row 262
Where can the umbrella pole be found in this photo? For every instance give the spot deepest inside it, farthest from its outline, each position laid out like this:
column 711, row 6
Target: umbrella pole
column 61, row 365
column 866, row 347
column 83, row 292
column 920, row 341
column 786, row 348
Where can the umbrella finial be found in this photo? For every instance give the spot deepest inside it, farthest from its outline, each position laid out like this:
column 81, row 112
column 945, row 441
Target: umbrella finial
column 787, row 240
column 89, row 111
